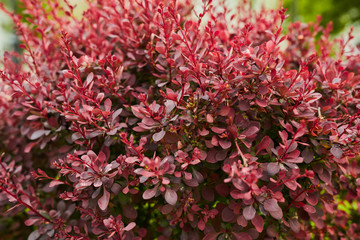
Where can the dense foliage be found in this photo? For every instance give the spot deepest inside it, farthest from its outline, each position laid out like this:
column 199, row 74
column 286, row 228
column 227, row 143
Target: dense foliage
column 145, row 120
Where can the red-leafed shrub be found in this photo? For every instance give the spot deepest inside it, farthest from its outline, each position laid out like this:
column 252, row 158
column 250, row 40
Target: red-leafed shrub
column 145, row 120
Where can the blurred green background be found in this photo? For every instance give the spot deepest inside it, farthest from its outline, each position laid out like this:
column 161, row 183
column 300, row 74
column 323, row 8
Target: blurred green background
column 343, row 14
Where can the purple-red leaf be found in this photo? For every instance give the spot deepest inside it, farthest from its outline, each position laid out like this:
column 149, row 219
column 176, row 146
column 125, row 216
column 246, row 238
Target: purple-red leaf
column 171, row 196
column 129, row 227
column 309, row 209
column 263, row 144
column 249, row 212
column 104, row 200
column 336, row 151
column 276, row 214
column 258, row 223
column 273, row 168
column 250, row 131
column 271, row 205
column 107, row 104
column 150, row 193
column 211, row 236
column 294, row 225
column 31, row 221
column 159, row 135
column 37, row 134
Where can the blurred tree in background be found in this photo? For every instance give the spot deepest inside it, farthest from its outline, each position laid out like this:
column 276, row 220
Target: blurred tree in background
column 341, row 12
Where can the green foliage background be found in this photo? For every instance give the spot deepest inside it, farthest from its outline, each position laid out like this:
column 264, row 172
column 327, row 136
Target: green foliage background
column 341, row 12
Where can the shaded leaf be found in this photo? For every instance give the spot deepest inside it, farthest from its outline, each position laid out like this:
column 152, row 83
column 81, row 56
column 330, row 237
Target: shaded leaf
column 294, row 225
column 211, row 236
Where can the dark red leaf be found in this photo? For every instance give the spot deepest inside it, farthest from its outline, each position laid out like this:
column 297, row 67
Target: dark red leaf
column 218, row 130
column 227, row 214
column 211, row 236
column 263, row 144
column 258, row 223
column 250, row 131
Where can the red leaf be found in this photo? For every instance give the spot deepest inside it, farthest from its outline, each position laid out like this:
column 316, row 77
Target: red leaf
column 201, row 225
column 284, row 136
column 273, row 168
column 160, row 47
column 271, row 205
column 34, row 235
column 294, row 225
column 261, row 102
column 250, row 131
column 277, row 214
column 107, row 104
column 104, row 200
column 242, row 236
column 188, row 25
column 224, row 144
column 208, row 193
column 265, row 142
column 336, row 151
column 312, row 199
column 150, row 193
column 209, row 118
column 68, row 74
column 159, row 135
column 31, row 221
column 270, row 46
column 129, row 227
column 55, row 183
column 249, row 212
column 241, row 221
column 171, row 196
column 227, row 214
column 211, row 236
column 33, row 117
column 308, row 155
column 37, row 134
column 218, row 130
column 258, row 223
column 89, row 78
column 224, row 111
column 309, row 209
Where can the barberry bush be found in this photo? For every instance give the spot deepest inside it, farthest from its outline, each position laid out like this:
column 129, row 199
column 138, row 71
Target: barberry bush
column 146, row 119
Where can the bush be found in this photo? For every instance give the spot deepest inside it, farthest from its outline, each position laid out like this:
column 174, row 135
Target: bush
column 142, row 120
